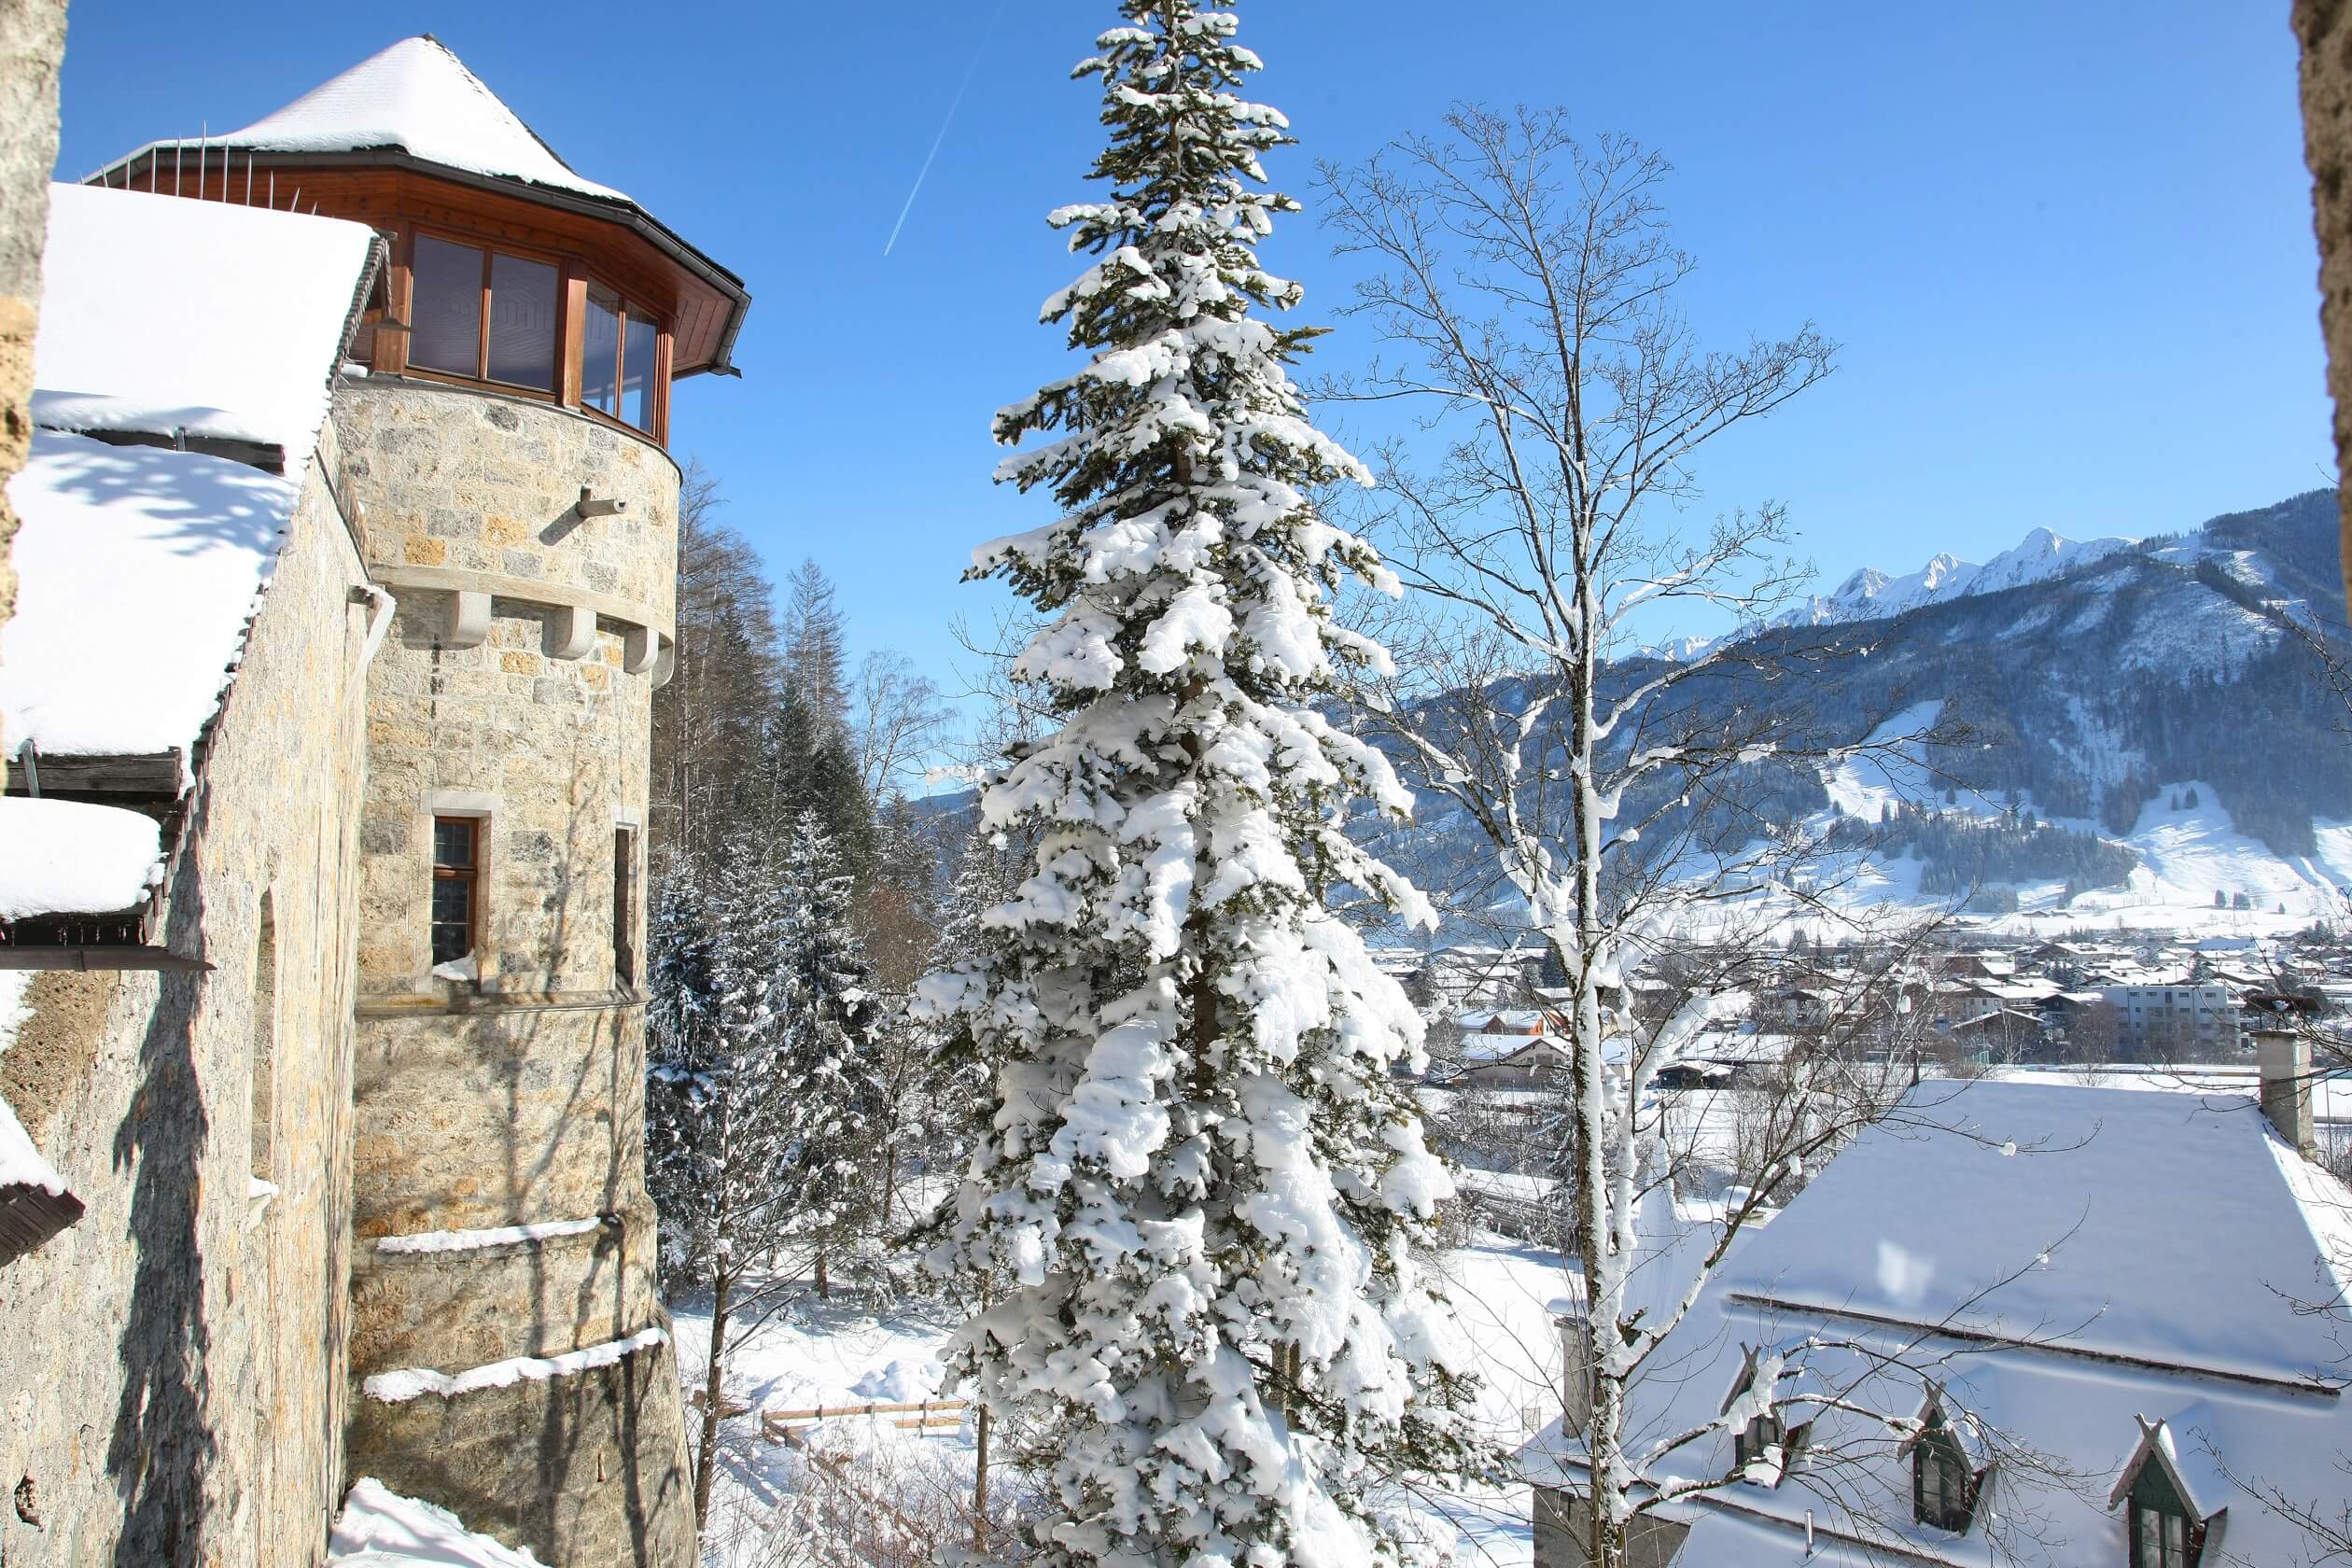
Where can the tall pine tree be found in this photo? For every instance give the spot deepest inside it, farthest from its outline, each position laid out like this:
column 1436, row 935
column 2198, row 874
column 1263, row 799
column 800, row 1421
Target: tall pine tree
column 1208, row 1191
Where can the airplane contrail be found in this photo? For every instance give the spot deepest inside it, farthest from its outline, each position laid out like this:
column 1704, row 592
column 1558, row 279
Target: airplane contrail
column 949, row 119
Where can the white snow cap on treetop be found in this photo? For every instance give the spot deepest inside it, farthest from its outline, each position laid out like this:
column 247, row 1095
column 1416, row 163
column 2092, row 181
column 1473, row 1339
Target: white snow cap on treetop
column 417, row 96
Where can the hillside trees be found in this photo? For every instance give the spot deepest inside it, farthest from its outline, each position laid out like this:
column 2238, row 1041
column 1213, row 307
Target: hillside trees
column 1530, row 283
column 1206, row 1194
column 791, row 908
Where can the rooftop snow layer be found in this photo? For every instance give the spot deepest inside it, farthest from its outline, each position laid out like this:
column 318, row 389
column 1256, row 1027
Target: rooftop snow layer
column 177, row 307
column 417, row 96
column 378, row 1528
column 65, row 858
column 136, row 569
column 2201, row 1236
column 2073, row 1215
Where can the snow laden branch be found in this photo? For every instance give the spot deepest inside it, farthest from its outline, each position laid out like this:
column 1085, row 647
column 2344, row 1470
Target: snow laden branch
column 1197, row 1206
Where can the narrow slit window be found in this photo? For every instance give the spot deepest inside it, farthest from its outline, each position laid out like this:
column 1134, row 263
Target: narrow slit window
column 265, row 1149
column 624, row 907
column 456, row 887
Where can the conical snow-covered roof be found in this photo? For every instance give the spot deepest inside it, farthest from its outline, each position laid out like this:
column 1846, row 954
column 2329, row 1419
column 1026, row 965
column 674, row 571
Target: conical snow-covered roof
column 419, row 97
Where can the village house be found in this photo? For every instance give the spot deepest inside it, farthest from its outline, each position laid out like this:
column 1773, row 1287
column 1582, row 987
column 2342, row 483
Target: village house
column 1962, row 1368
column 346, row 574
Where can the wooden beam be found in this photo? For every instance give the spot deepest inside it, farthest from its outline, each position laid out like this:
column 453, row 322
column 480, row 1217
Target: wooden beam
column 30, row 1215
column 127, row 773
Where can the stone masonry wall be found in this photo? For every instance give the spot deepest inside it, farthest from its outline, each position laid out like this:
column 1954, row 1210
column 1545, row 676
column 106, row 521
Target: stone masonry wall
column 173, row 1381
column 517, row 1098
column 32, row 46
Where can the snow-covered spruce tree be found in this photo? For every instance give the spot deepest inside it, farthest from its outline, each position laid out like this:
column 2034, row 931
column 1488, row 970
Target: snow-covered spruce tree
column 824, row 1018
column 1204, row 1185
column 720, row 1102
column 757, row 1097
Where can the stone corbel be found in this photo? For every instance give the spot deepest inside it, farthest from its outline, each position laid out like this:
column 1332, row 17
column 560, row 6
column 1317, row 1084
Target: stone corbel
column 572, row 632
column 469, row 620
column 665, row 662
column 641, row 649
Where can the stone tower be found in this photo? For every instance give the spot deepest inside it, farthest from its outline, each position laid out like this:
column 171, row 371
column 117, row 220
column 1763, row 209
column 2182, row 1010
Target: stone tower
column 502, row 425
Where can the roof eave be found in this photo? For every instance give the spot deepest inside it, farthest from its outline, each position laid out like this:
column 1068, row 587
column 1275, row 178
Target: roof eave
column 623, row 210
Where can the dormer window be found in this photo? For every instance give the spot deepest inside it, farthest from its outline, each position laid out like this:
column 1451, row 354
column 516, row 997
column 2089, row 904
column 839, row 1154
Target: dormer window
column 1949, row 1467
column 1761, row 1434
column 2163, row 1534
column 2172, row 1490
column 1943, row 1484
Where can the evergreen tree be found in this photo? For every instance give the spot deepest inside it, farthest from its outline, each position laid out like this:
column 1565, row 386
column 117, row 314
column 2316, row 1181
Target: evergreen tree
column 816, row 648
column 823, row 1021
column 1197, row 1172
column 723, row 1106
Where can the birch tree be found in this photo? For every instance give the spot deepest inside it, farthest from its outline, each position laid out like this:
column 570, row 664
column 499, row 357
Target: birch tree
column 1631, row 804
column 1207, row 1191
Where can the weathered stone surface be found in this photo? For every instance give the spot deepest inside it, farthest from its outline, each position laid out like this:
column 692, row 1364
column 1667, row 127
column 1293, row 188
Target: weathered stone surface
column 517, row 1099
column 588, row 1471
column 31, row 44
column 174, row 1376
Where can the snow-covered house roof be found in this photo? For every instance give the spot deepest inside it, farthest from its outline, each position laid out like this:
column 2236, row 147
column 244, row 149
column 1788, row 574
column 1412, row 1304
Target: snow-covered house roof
column 419, row 97
column 161, row 315
column 2085, row 1275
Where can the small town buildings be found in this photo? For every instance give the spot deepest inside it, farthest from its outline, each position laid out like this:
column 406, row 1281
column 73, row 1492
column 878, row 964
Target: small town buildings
column 2181, row 1018
column 346, row 576
column 2021, row 1321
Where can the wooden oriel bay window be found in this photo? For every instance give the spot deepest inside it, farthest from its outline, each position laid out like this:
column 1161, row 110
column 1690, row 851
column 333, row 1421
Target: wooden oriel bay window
column 536, row 325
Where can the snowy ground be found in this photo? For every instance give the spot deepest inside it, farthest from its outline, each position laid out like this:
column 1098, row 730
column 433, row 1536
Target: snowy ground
column 822, row 1354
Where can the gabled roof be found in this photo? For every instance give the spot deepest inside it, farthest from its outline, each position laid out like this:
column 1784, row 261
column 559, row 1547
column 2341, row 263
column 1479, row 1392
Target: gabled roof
column 2069, row 1360
column 2127, row 1194
column 419, row 97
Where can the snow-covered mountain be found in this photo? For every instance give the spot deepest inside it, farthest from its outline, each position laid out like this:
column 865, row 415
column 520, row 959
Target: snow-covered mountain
column 1870, row 593
column 2138, row 726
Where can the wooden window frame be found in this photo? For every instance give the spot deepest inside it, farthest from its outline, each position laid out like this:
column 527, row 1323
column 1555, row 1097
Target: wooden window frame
column 575, row 355
column 474, row 875
column 567, row 353
column 574, row 279
column 2153, row 1493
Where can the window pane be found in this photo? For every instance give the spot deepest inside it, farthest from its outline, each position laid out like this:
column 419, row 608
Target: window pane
column 453, row 841
column 636, row 369
column 445, row 317
column 453, row 919
column 522, row 322
column 600, row 354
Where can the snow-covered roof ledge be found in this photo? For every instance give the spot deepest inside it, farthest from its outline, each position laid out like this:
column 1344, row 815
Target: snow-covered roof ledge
column 79, row 886
column 35, row 1204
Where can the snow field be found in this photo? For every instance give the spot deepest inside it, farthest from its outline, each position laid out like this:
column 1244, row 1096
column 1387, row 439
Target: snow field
column 819, row 1354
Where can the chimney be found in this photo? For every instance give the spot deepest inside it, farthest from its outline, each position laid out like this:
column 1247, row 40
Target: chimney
column 1575, row 1383
column 2283, row 1057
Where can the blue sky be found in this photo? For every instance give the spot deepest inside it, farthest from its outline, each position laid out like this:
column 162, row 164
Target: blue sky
column 2067, row 248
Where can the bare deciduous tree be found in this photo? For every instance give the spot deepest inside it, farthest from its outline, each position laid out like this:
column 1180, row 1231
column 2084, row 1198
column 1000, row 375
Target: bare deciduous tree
column 1636, row 809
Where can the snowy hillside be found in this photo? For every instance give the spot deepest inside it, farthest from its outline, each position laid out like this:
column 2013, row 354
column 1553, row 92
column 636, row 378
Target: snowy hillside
column 2124, row 729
